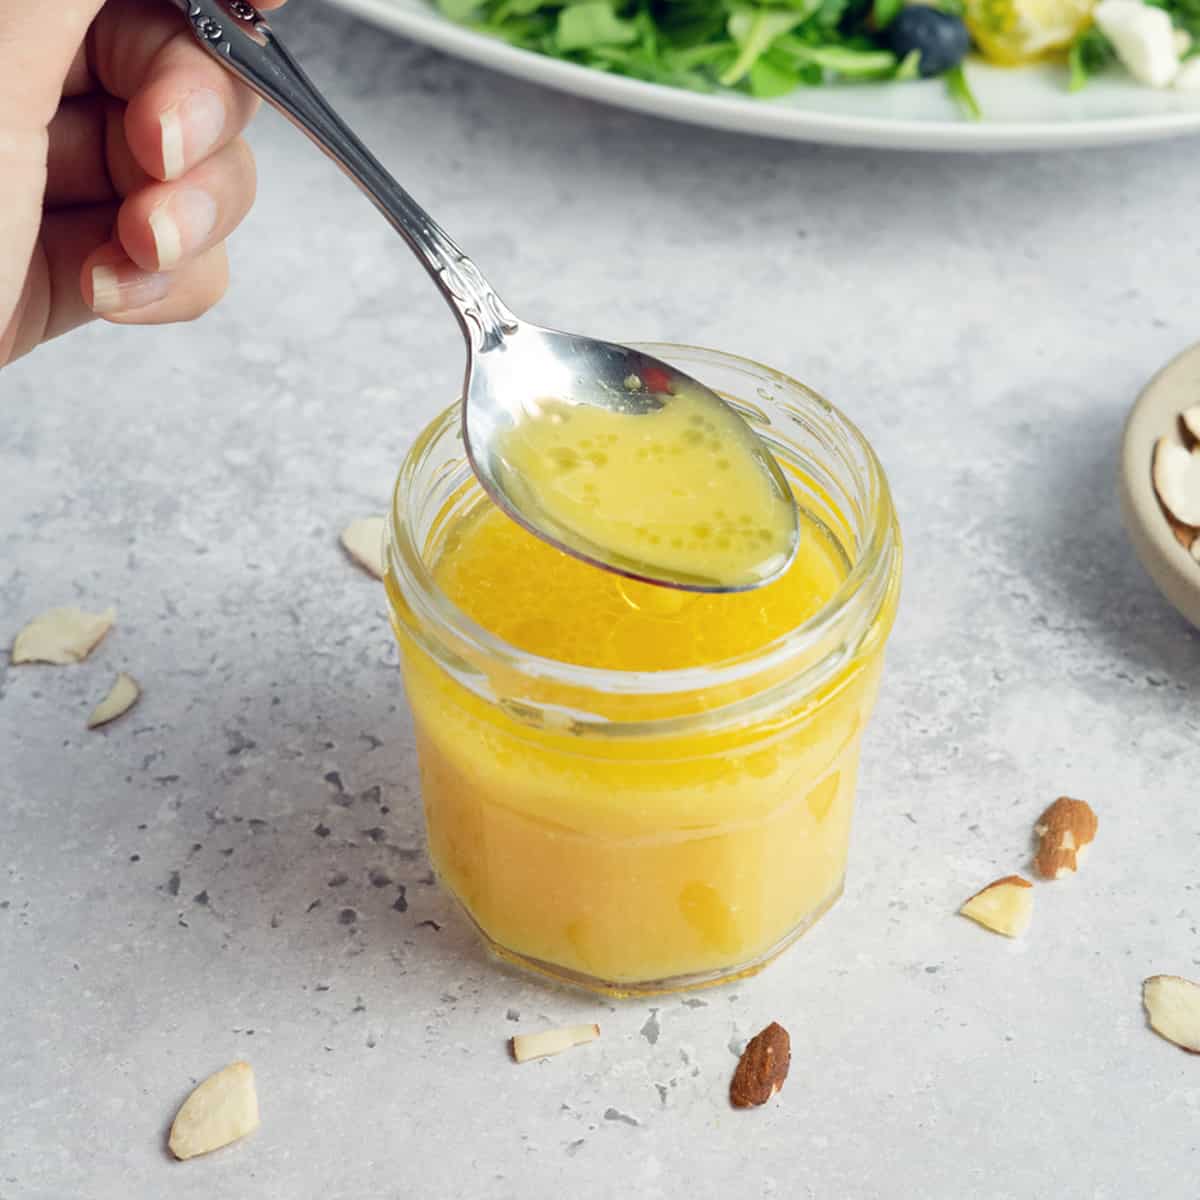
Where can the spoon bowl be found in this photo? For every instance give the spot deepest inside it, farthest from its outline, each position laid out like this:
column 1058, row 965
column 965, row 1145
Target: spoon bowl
column 611, row 455
column 572, row 372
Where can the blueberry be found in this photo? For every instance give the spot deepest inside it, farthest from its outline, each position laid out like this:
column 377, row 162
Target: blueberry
column 940, row 38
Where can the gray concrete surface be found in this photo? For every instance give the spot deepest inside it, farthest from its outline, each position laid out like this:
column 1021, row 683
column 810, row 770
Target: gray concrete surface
column 167, row 903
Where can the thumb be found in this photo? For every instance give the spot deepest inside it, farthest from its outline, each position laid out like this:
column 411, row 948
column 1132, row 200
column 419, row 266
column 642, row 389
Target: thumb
column 38, row 43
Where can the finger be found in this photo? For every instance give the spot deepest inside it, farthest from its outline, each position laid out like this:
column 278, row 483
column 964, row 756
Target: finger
column 67, row 240
column 79, row 80
column 89, row 160
column 76, row 163
column 120, row 293
column 27, row 321
column 164, row 224
column 38, row 44
column 183, row 106
column 35, row 54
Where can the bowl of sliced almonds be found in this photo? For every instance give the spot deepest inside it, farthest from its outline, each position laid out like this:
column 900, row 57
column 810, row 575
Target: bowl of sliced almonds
column 1160, row 481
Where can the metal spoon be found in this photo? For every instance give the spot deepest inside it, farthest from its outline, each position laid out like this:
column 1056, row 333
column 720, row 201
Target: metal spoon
column 511, row 364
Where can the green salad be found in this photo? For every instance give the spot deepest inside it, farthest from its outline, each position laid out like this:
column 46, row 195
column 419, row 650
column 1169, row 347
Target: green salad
column 767, row 51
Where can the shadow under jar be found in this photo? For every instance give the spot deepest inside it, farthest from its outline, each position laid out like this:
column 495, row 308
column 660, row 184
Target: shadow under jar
column 630, row 788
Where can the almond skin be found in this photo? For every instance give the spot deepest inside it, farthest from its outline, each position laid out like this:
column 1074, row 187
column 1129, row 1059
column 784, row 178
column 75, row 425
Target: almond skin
column 1063, row 830
column 762, row 1068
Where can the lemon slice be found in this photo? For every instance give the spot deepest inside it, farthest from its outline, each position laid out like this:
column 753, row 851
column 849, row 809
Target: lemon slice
column 1011, row 32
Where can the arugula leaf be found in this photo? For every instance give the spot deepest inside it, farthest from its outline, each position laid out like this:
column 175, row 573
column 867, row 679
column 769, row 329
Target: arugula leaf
column 884, row 12
column 688, row 23
column 769, row 79
column 513, row 8
column 533, row 32
column 754, row 29
column 462, row 10
column 909, row 67
column 1090, row 53
column 960, row 92
column 699, row 56
column 593, row 23
column 843, row 60
column 829, row 15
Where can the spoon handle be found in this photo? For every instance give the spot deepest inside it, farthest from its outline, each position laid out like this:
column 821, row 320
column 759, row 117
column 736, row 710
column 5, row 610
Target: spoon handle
column 239, row 38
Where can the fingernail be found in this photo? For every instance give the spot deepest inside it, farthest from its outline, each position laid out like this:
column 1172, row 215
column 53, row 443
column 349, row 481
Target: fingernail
column 190, row 129
column 124, row 288
column 181, row 225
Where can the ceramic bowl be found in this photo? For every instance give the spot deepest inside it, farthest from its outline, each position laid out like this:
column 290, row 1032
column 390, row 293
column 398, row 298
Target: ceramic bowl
column 1155, row 415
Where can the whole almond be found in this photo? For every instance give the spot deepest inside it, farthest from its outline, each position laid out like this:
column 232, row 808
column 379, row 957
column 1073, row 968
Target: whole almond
column 1064, row 829
column 762, row 1068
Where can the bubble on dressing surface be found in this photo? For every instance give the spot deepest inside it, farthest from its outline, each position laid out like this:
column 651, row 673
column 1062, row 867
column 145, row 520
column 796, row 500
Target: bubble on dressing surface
column 558, row 607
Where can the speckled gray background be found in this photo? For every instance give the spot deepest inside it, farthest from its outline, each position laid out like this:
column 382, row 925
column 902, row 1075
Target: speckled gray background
column 168, row 901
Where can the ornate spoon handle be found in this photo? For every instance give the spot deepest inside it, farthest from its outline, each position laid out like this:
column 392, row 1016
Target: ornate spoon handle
column 239, row 38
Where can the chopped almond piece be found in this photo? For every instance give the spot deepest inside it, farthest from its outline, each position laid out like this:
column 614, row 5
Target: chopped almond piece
column 1176, row 475
column 221, row 1110
column 1064, row 830
column 1185, row 535
column 363, row 541
column 552, row 1041
column 1005, row 906
column 122, row 696
column 1191, row 421
column 762, row 1068
column 62, row 635
column 1173, row 1006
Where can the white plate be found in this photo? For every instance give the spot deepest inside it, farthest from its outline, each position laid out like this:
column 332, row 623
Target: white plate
column 1025, row 109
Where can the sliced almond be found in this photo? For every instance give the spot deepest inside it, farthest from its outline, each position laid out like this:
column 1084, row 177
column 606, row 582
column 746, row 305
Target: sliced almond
column 1005, row 906
column 1064, row 829
column 221, row 1110
column 363, row 541
column 62, row 635
column 1185, row 535
column 1176, row 476
column 1173, row 1006
column 552, row 1041
column 122, row 696
column 1191, row 421
column 762, row 1068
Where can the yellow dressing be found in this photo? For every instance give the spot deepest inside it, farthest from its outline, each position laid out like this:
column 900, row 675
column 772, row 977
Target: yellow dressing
column 682, row 491
column 541, row 600
column 668, row 857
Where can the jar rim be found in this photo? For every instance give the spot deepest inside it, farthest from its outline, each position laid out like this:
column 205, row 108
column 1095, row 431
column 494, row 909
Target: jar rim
column 876, row 555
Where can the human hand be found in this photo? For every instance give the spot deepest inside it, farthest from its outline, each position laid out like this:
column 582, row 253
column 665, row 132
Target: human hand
column 121, row 167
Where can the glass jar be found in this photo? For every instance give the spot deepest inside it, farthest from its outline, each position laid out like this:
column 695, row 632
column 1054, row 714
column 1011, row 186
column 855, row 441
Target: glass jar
column 638, row 832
